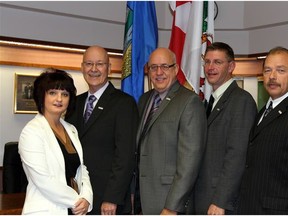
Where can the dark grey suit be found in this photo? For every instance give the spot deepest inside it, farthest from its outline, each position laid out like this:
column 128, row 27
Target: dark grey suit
column 264, row 188
column 171, row 150
column 221, row 170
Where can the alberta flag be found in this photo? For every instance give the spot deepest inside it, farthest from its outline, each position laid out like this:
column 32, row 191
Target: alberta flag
column 192, row 31
column 140, row 39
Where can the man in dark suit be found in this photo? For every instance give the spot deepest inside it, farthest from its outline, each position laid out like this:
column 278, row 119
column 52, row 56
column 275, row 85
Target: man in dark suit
column 108, row 137
column 171, row 139
column 264, row 188
column 231, row 118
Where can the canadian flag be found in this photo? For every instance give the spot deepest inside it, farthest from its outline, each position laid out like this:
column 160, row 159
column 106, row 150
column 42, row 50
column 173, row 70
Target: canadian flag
column 192, row 32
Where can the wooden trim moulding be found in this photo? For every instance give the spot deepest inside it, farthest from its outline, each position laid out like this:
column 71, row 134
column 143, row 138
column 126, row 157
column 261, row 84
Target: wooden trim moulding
column 39, row 55
column 29, row 53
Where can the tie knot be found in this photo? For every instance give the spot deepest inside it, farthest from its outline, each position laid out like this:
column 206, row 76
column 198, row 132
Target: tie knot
column 89, row 108
column 211, row 99
column 270, row 105
column 157, row 100
column 91, row 98
column 210, row 105
column 268, row 110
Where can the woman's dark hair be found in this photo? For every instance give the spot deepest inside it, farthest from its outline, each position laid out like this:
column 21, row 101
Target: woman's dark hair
column 52, row 78
column 221, row 47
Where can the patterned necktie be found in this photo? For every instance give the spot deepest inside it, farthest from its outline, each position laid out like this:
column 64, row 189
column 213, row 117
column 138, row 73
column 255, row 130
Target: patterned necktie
column 210, row 105
column 268, row 110
column 154, row 108
column 89, row 108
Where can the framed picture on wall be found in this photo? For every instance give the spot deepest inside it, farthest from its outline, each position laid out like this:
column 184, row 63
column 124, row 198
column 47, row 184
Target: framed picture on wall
column 23, row 94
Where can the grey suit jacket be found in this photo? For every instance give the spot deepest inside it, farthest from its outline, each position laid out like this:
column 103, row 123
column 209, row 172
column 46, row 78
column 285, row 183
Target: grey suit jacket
column 223, row 164
column 171, row 150
column 264, row 188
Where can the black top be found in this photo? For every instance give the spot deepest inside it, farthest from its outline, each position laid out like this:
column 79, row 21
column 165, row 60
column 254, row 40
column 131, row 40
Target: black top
column 72, row 161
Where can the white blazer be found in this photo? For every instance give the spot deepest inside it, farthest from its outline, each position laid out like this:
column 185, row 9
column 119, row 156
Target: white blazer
column 43, row 162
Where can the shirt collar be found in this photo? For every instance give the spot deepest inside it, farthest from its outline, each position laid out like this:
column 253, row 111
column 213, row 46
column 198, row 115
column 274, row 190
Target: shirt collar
column 220, row 91
column 276, row 101
column 98, row 93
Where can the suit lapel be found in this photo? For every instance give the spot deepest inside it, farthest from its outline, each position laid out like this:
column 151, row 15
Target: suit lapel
column 52, row 141
column 170, row 95
column 274, row 114
column 101, row 105
column 147, row 101
column 221, row 103
column 255, row 125
column 73, row 136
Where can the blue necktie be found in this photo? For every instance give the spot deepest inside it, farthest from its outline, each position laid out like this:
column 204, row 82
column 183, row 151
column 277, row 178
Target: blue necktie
column 89, row 108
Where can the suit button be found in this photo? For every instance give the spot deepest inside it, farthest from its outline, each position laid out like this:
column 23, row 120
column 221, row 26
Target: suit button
column 186, row 204
column 246, row 166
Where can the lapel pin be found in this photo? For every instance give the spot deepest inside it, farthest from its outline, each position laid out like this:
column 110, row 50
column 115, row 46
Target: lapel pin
column 280, row 112
column 168, row 98
column 101, row 108
column 218, row 109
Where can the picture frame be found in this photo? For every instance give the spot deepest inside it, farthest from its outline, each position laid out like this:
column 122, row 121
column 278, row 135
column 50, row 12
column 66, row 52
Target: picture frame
column 23, row 94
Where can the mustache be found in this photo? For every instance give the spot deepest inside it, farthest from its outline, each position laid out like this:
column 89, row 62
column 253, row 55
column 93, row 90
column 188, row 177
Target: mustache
column 95, row 73
column 273, row 83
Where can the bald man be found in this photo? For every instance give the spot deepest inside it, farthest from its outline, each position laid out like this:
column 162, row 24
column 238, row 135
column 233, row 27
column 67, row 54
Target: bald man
column 171, row 140
column 108, row 134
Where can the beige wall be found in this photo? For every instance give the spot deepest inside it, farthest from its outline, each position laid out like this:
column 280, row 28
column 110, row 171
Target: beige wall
column 249, row 26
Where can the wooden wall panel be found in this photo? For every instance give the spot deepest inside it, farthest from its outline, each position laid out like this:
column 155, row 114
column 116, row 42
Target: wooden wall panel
column 35, row 57
column 248, row 67
column 71, row 60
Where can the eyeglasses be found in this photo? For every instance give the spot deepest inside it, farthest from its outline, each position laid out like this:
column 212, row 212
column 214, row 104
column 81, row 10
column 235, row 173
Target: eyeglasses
column 217, row 62
column 98, row 65
column 163, row 67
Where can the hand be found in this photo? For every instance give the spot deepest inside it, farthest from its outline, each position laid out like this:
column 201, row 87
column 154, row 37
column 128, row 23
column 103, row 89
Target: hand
column 168, row 212
column 81, row 207
column 215, row 210
column 108, row 208
column 132, row 204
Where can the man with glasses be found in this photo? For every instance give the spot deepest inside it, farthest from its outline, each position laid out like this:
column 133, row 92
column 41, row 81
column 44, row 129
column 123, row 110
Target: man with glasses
column 107, row 120
column 229, row 122
column 171, row 139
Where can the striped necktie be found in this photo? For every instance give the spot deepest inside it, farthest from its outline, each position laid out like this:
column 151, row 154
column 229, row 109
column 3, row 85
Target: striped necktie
column 154, row 108
column 89, row 108
column 268, row 110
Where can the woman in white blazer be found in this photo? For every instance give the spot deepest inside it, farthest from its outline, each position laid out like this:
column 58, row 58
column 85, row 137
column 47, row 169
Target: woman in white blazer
column 51, row 152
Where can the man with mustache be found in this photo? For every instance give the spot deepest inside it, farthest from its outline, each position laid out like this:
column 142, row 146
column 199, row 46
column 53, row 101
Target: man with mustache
column 264, row 188
column 107, row 132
